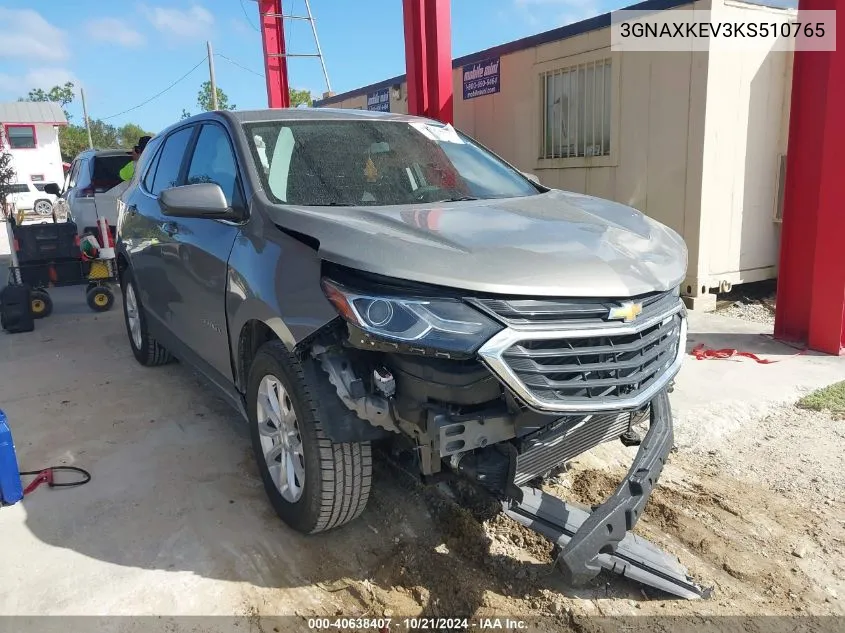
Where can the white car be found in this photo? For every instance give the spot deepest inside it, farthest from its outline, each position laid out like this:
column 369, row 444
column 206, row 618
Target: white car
column 30, row 196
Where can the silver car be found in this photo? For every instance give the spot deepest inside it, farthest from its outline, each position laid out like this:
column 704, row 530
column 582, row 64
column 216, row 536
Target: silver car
column 354, row 280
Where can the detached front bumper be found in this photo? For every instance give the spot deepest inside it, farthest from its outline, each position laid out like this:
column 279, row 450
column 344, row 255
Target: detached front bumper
column 591, row 541
column 608, row 523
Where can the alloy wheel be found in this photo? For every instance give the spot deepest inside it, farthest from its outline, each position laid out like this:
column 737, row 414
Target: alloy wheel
column 281, row 442
column 132, row 316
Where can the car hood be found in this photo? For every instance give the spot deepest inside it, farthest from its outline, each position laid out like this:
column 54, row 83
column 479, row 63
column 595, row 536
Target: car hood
column 552, row 244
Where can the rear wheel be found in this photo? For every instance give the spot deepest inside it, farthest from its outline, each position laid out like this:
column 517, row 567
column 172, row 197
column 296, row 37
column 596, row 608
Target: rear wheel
column 145, row 348
column 43, row 207
column 41, row 303
column 313, row 484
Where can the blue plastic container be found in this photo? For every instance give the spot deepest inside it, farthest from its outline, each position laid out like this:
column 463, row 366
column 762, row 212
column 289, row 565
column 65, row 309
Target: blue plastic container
column 11, row 490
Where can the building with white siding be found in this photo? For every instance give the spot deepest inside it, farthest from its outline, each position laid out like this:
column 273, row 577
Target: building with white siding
column 30, row 131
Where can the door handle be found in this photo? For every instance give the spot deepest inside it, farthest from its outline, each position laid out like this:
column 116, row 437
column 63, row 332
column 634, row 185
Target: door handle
column 171, row 228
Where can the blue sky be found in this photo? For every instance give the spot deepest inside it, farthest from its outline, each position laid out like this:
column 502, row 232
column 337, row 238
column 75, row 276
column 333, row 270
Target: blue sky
column 123, row 53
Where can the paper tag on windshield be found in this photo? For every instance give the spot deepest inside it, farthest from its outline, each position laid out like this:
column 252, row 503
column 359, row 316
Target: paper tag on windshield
column 444, row 134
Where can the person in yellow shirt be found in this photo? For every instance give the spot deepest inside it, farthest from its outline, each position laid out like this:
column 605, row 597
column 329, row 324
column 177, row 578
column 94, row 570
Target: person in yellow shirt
column 128, row 170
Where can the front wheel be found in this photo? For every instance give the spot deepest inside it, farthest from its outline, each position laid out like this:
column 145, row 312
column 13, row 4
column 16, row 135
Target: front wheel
column 313, row 484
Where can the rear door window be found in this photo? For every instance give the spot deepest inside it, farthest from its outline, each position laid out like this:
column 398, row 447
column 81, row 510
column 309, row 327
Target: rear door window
column 170, row 162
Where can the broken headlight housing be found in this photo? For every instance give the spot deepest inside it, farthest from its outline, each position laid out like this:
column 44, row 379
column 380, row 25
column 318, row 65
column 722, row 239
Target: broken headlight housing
column 443, row 324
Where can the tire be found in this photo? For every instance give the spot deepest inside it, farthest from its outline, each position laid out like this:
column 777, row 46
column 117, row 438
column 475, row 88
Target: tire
column 42, row 304
column 43, row 207
column 100, row 299
column 337, row 477
column 147, row 351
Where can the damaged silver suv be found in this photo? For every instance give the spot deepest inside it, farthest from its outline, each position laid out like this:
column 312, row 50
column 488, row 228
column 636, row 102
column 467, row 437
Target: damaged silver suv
column 353, row 279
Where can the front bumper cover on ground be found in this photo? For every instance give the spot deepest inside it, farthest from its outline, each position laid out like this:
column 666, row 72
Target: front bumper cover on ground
column 591, row 541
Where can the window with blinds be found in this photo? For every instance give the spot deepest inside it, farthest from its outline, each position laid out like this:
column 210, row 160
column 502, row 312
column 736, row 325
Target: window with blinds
column 576, row 112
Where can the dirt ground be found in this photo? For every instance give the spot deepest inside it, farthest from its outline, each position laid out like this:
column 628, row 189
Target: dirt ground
column 758, row 514
column 758, row 519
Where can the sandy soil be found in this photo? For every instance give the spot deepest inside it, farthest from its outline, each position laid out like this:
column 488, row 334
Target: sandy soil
column 760, row 519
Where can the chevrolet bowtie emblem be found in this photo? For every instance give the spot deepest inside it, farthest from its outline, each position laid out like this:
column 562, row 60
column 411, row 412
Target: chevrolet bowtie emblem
column 626, row 312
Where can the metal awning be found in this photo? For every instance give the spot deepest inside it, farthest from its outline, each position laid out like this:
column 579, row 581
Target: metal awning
column 32, row 112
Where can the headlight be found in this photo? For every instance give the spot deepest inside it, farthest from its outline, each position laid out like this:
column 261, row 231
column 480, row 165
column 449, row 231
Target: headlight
column 442, row 324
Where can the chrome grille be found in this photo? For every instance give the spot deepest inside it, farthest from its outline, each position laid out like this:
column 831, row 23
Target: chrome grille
column 591, row 368
column 569, row 312
column 604, row 366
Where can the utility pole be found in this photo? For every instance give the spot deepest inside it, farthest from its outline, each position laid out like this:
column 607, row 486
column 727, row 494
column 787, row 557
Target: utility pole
column 211, row 77
column 85, row 114
column 317, row 42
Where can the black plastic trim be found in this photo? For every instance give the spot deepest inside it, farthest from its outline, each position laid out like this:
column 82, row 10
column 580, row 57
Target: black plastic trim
column 608, row 523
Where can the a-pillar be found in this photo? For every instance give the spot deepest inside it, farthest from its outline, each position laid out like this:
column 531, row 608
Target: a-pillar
column 811, row 278
column 275, row 62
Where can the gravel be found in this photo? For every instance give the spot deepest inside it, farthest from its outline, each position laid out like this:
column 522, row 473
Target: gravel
column 750, row 302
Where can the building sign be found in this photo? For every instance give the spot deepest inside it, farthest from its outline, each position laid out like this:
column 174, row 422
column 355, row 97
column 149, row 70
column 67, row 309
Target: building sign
column 379, row 100
column 481, row 78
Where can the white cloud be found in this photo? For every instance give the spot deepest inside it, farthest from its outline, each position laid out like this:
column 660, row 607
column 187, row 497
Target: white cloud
column 25, row 34
column 193, row 22
column 45, row 78
column 115, row 31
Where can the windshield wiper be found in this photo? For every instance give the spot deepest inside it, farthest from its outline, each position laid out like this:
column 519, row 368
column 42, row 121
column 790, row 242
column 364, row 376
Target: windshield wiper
column 458, row 199
column 332, row 204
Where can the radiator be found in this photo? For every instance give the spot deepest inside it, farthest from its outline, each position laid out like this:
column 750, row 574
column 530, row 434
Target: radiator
column 567, row 439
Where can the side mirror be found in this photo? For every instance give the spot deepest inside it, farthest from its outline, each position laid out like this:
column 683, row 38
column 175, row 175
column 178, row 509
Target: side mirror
column 531, row 177
column 52, row 188
column 203, row 200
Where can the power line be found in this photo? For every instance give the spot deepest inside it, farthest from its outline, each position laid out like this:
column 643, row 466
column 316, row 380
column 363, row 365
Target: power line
column 246, row 16
column 156, row 96
column 234, row 63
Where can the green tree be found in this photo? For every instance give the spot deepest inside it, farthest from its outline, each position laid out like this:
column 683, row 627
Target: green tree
column 300, row 97
column 128, row 135
column 63, row 95
column 104, row 135
column 73, row 139
column 7, row 174
column 204, row 99
column 185, row 114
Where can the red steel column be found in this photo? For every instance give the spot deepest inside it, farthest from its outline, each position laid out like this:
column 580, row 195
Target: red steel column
column 428, row 58
column 438, row 33
column 273, row 40
column 811, row 279
column 413, row 16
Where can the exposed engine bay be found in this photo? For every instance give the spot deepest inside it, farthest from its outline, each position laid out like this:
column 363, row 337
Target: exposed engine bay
column 456, row 415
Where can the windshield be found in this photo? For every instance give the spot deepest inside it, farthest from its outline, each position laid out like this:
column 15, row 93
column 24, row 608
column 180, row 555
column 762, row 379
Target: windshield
column 322, row 163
